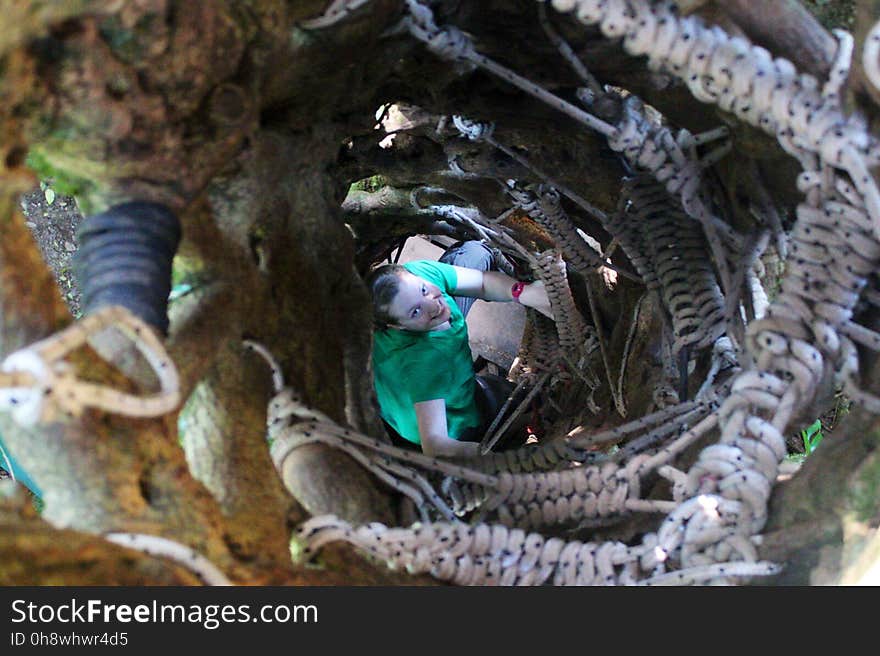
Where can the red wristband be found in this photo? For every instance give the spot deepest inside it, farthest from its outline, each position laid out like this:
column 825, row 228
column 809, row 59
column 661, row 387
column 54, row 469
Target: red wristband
column 516, row 290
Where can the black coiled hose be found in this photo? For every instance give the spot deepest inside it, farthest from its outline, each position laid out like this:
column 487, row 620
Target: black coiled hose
column 124, row 258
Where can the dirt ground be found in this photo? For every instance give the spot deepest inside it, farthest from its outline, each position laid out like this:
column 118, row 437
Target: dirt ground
column 53, row 220
column 54, row 225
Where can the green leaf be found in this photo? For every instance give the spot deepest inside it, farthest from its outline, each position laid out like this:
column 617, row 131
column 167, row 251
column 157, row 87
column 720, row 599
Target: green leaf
column 811, row 436
column 815, row 442
column 50, row 195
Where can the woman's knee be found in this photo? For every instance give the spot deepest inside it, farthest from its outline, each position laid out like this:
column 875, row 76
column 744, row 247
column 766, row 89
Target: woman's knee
column 469, row 254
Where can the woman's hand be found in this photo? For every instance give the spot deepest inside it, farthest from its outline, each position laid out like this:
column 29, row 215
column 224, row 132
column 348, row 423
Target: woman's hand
column 534, row 295
column 434, row 435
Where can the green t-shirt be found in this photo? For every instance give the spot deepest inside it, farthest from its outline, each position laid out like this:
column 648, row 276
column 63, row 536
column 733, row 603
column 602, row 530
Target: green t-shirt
column 409, row 366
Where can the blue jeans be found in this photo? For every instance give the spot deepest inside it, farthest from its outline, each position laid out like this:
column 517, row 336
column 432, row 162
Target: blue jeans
column 471, row 255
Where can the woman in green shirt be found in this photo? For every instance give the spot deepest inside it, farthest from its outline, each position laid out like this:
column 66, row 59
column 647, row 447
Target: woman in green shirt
column 422, row 364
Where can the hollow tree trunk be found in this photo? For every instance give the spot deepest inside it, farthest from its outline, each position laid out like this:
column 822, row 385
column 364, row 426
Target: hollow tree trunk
column 152, row 102
column 248, row 126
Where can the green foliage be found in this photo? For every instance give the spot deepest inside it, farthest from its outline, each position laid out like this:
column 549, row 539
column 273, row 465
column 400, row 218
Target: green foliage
column 62, row 182
column 187, row 276
column 371, row 184
column 812, row 436
column 833, row 13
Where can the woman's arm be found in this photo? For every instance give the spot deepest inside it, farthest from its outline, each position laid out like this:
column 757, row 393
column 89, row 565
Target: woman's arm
column 497, row 286
column 434, row 432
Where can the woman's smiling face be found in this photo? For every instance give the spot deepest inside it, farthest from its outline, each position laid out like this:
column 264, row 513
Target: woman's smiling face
column 419, row 305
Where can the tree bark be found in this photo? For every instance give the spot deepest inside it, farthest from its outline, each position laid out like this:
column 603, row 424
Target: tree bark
column 251, row 127
column 786, row 28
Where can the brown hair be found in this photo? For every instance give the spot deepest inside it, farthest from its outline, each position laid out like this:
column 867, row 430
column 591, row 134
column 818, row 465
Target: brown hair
column 383, row 283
